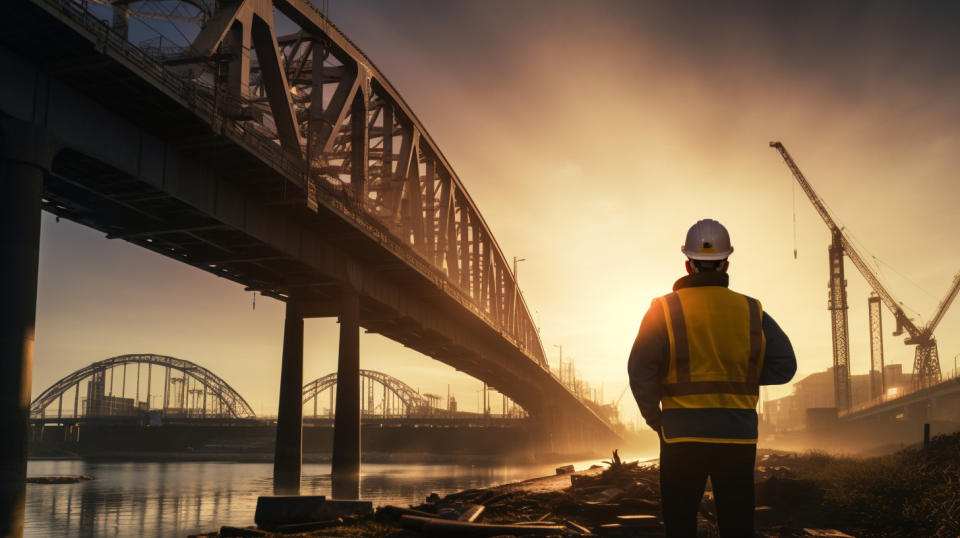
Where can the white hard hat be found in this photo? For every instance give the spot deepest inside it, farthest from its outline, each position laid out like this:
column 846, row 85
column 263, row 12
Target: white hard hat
column 707, row 240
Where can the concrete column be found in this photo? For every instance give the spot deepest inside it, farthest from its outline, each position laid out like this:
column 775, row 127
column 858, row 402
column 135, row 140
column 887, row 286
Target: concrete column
column 287, row 458
column 346, row 434
column 26, row 154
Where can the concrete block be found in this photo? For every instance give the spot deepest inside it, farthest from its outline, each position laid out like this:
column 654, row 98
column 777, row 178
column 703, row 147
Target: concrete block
column 273, row 511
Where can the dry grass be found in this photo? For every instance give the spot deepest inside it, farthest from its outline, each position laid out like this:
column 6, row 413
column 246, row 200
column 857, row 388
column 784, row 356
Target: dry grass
column 910, row 493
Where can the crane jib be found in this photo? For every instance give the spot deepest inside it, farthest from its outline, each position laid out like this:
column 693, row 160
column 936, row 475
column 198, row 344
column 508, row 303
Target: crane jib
column 926, row 366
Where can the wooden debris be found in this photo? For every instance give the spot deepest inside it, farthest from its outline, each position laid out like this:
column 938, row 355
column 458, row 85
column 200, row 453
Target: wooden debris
column 831, row 533
column 395, row 512
column 463, row 528
column 645, row 521
column 309, row 527
column 608, row 495
column 471, row 514
column 574, row 526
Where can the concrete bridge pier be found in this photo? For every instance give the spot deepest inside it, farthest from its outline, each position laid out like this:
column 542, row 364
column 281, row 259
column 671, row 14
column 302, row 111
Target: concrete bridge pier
column 289, row 450
column 26, row 154
column 345, row 466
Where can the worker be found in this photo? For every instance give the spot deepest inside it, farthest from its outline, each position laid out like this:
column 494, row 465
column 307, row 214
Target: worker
column 695, row 369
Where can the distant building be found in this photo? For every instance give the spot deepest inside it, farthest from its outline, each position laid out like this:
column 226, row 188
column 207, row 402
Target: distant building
column 98, row 404
column 816, row 392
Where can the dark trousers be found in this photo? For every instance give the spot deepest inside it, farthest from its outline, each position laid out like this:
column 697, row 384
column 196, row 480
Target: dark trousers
column 684, row 468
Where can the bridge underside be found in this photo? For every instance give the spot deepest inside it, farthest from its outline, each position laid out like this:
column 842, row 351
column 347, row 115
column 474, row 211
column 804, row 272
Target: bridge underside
column 134, row 163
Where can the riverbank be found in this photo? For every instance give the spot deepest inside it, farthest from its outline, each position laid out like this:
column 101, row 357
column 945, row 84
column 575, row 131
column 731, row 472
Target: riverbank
column 267, row 457
column 914, row 492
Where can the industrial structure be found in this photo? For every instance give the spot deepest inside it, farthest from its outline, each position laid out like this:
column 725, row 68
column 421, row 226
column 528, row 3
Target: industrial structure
column 144, row 406
column 926, row 366
column 127, row 386
column 381, row 395
column 287, row 163
column 185, row 390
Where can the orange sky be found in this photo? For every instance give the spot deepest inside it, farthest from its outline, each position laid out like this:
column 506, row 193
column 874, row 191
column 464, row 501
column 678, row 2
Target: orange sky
column 591, row 135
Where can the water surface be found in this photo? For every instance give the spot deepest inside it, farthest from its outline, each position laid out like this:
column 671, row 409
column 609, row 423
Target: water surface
column 181, row 498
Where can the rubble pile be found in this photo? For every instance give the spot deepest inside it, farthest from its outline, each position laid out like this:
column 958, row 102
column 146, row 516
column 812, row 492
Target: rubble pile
column 911, row 493
column 621, row 500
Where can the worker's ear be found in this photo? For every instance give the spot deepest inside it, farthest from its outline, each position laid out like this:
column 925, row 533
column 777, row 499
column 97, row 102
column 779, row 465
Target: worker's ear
column 689, row 267
column 725, row 266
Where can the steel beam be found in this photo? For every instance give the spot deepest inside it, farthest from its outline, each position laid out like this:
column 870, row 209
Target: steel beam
column 288, row 452
column 837, row 305
column 345, row 468
column 878, row 384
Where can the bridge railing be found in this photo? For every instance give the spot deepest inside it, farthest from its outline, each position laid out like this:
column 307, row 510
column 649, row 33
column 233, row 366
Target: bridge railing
column 472, row 269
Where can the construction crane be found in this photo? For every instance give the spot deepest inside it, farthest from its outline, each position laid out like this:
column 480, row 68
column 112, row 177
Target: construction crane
column 926, row 366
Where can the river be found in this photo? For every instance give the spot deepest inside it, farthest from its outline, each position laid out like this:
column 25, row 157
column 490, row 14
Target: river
column 181, row 498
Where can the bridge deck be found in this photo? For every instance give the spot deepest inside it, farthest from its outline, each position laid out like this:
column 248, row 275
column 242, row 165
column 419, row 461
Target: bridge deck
column 144, row 160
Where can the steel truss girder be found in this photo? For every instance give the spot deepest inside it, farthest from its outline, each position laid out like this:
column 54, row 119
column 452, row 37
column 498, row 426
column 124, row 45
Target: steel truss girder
column 410, row 398
column 235, row 404
column 336, row 115
column 878, row 385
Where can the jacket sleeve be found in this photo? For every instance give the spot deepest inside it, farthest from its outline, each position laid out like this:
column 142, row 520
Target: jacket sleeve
column 647, row 363
column 779, row 361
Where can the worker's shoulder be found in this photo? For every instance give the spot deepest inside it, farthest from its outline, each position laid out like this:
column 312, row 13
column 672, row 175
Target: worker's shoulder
column 745, row 296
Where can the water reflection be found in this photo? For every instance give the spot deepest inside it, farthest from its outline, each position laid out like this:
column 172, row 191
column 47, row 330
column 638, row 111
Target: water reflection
column 176, row 499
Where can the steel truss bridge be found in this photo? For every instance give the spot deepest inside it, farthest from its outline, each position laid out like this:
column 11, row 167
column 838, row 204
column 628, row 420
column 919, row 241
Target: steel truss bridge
column 287, row 163
column 99, row 390
column 397, row 399
column 201, row 393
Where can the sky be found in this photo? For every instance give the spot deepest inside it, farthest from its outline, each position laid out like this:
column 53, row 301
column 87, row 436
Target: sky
column 591, row 135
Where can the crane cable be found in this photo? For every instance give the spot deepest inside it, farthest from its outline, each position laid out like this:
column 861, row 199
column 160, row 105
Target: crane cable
column 794, row 191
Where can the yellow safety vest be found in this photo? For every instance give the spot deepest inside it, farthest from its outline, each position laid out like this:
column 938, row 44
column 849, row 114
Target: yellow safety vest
column 711, row 386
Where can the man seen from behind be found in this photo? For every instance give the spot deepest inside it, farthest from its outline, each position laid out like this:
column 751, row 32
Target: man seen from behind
column 695, row 369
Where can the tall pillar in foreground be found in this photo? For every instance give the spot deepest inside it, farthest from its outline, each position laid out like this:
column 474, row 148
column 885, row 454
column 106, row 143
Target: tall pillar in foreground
column 345, row 469
column 288, row 453
column 26, row 153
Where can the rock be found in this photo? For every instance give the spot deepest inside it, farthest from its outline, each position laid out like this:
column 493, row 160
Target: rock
column 448, row 513
column 67, row 479
column 241, row 532
column 566, row 469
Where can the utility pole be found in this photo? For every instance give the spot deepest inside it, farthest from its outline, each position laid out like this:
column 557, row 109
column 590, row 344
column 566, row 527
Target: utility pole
column 515, row 261
column 516, row 296
column 561, row 361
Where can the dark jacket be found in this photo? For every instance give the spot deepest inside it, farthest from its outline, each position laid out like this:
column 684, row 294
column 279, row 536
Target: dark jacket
column 651, row 351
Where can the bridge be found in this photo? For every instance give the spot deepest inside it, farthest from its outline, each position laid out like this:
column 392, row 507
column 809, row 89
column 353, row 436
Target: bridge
column 900, row 416
column 286, row 163
column 181, row 389
column 186, row 395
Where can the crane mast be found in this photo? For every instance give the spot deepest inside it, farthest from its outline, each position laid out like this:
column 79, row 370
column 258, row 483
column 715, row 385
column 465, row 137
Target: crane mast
column 926, row 367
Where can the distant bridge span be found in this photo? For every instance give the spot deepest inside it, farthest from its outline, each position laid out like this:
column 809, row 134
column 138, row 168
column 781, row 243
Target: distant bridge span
column 302, row 175
column 224, row 401
column 407, row 398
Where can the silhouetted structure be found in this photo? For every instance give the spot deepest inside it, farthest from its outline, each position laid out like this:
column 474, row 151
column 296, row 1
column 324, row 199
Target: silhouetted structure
column 302, row 175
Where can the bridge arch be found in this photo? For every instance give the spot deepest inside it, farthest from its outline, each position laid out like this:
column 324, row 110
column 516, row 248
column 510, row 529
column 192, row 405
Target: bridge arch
column 396, row 398
column 198, row 392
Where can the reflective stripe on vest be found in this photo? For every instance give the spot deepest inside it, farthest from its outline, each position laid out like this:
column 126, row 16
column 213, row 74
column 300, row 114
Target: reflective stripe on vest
column 711, row 388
